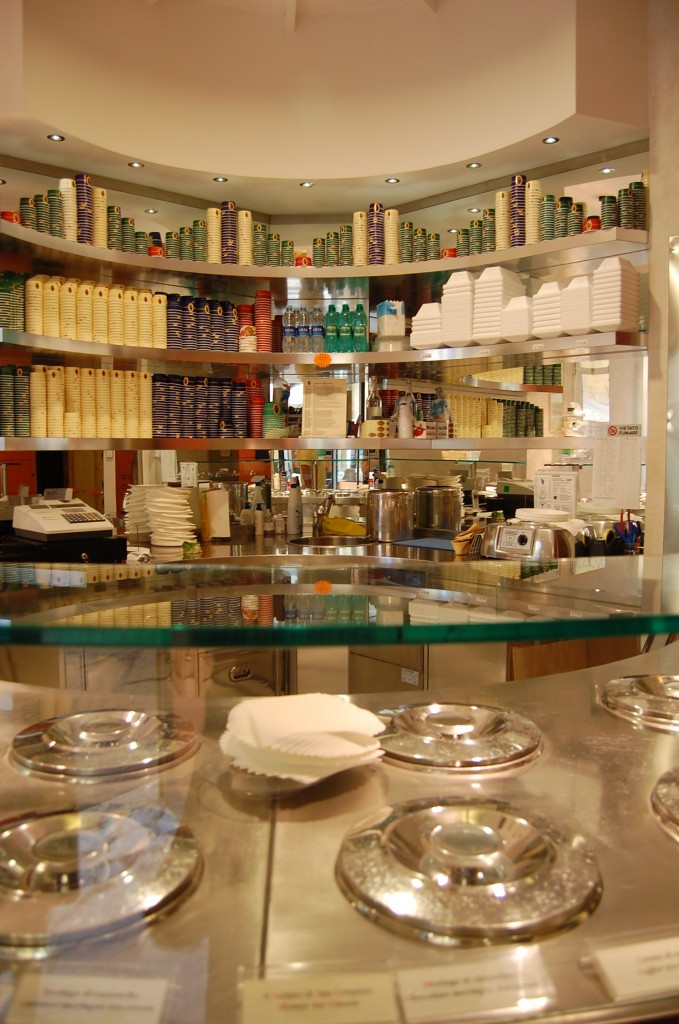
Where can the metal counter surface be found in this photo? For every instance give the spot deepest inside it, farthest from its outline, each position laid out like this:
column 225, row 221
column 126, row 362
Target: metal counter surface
column 594, row 777
column 198, row 947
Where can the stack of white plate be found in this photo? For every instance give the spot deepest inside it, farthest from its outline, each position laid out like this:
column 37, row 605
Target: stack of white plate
column 615, row 296
column 137, row 523
column 533, row 200
column 426, row 327
column 213, row 219
column 516, row 320
column 392, row 233
column 492, row 292
column 159, row 320
column 457, row 309
column 547, row 310
column 360, row 238
column 245, row 244
column 305, row 737
column 100, row 313
column 502, row 225
column 170, row 517
column 576, row 306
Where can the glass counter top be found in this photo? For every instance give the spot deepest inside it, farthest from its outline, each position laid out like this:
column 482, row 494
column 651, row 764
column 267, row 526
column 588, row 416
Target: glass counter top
column 279, row 598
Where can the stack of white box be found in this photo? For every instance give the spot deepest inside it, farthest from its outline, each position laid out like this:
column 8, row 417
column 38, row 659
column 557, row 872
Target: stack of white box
column 615, row 296
column 457, row 309
column 516, row 321
column 492, row 292
column 576, row 306
column 547, row 310
column 426, row 327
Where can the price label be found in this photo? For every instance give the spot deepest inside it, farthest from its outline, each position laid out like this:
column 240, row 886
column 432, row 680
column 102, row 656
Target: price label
column 538, row 346
column 86, row 999
column 341, row 998
column 640, row 969
column 483, row 352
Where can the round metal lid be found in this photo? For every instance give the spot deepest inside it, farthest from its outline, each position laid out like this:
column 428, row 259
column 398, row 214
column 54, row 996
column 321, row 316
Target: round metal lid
column 456, row 872
column 74, row 875
column 91, row 745
column 665, row 801
column 459, row 737
column 650, row 701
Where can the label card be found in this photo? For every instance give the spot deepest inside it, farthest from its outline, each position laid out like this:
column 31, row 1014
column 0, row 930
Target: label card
column 513, row 981
column 640, row 969
column 331, row 998
column 86, row 999
column 616, row 470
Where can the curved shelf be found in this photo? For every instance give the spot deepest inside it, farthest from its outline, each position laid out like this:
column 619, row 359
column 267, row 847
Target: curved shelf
column 526, row 258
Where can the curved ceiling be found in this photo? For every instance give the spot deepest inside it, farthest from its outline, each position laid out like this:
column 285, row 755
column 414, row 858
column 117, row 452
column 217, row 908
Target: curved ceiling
column 343, row 92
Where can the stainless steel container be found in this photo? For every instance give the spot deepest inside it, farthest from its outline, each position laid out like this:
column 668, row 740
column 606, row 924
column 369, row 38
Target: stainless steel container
column 390, row 515
column 438, row 508
column 527, row 541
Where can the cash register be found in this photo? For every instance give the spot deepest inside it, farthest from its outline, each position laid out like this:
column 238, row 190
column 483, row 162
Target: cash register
column 49, row 528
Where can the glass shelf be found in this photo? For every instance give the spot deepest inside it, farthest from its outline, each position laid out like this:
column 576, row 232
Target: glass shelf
column 356, row 598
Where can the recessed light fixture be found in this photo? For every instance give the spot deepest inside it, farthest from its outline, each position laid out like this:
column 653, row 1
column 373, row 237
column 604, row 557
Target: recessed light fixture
column 452, row 231
column 220, row 178
column 2, row 181
column 392, row 181
column 550, row 140
column 53, row 137
column 150, row 210
column 306, row 184
column 606, row 170
column 474, row 209
column 473, row 165
column 135, row 164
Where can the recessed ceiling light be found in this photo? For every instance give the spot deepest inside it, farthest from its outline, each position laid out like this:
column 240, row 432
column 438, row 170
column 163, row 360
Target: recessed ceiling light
column 135, row 163
column 606, row 170
column 392, row 181
column 2, row 181
column 550, row 140
column 474, row 209
column 306, row 184
column 219, row 178
column 473, row 165
column 453, row 231
column 150, row 210
column 53, row 137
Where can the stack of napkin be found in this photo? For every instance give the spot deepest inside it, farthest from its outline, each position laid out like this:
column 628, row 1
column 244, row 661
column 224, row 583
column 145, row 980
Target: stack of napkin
column 306, row 737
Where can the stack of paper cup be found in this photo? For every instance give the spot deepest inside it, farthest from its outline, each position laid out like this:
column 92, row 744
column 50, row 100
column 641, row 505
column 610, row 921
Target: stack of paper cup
column 533, row 201
column 502, row 219
column 33, row 300
column 102, row 403
column 131, row 390
column 55, row 401
column 145, row 318
column 145, row 387
column 67, row 309
column 69, row 206
column 360, row 238
column 214, row 234
column 130, row 316
column 84, row 324
column 116, row 381
column 245, row 244
column 38, row 400
column 116, row 296
column 100, row 313
column 99, row 217
column 392, row 233
column 88, row 403
column 159, row 320
column 51, row 301
column 72, row 422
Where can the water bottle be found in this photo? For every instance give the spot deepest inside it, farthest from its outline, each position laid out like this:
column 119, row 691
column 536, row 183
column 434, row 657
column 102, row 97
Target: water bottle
column 303, row 331
column 360, row 336
column 346, row 329
column 331, row 330
column 317, row 330
column 289, row 322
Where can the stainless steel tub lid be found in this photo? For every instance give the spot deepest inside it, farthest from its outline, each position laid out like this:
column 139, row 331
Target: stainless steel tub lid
column 665, row 801
column 456, row 872
column 650, row 701
column 75, row 875
column 459, row 737
column 92, row 745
